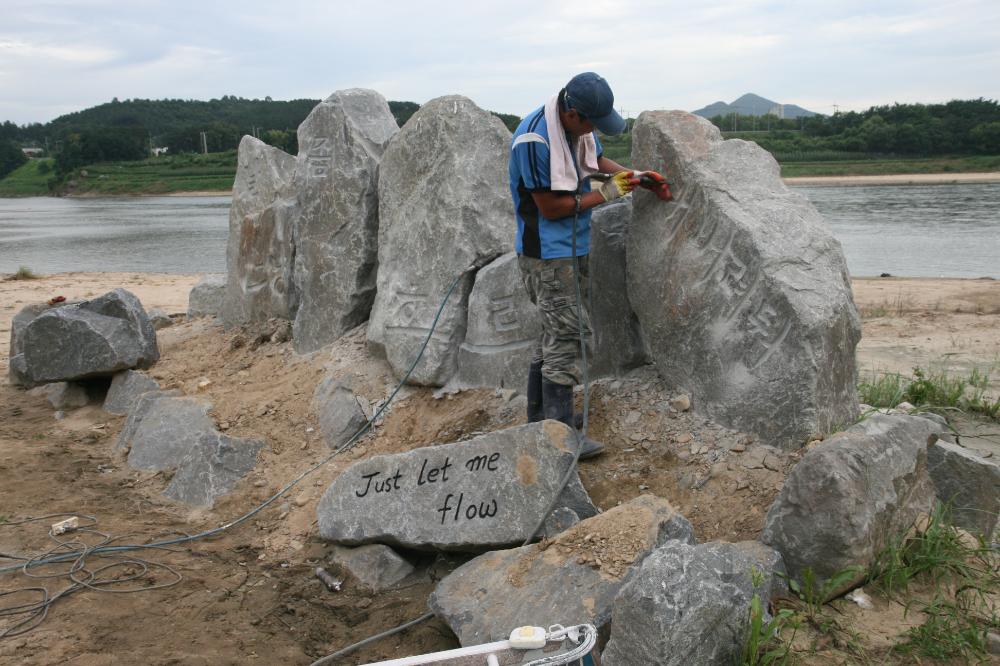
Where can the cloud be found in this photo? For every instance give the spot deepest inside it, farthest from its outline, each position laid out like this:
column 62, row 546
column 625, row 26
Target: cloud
column 59, row 56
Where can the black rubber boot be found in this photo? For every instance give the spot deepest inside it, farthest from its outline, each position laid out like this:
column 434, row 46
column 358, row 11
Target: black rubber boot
column 557, row 400
column 535, row 412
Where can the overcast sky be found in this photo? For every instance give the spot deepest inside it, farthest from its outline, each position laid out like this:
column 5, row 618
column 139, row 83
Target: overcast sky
column 62, row 56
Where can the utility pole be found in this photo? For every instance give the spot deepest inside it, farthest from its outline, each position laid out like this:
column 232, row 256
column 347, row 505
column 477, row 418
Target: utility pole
column 204, row 143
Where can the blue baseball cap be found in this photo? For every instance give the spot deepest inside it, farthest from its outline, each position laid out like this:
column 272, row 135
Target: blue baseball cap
column 591, row 96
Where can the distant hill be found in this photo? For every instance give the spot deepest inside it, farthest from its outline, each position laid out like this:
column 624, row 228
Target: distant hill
column 754, row 105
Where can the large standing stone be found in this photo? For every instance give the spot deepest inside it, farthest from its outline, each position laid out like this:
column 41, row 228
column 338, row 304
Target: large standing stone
column 95, row 338
column 503, row 325
column 968, row 484
column 260, row 250
column 488, row 492
column 618, row 345
column 206, row 296
column 125, row 389
column 571, row 579
column 851, row 495
column 336, row 232
column 741, row 290
column 162, row 429
column 688, row 605
column 212, row 467
column 444, row 206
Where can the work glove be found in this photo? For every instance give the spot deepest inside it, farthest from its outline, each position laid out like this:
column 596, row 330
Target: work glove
column 618, row 185
column 655, row 183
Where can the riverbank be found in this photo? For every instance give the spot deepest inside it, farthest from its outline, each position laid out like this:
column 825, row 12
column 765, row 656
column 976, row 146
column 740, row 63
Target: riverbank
column 899, row 179
column 831, row 181
column 896, row 179
column 907, row 321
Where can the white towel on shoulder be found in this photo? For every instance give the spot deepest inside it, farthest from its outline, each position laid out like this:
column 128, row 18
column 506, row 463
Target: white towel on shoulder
column 561, row 170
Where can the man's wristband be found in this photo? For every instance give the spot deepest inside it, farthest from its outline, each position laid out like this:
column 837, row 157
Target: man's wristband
column 577, row 197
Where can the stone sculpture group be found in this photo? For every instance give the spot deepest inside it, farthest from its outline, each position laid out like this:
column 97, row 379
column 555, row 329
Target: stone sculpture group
column 736, row 291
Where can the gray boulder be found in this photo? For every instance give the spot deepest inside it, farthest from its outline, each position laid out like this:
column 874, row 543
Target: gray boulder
column 162, row 428
column 206, row 296
column 488, row 492
column 159, row 319
column 17, row 368
column 94, row 338
column 444, row 207
column 62, row 395
column 259, row 250
column 125, row 389
column 336, row 232
column 741, row 290
column 688, row 605
column 501, row 330
column 340, row 415
column 572, row 579
column 968, row 484
column 211, row 468
column 850, row 496
column 617, row 345
column 376, row 567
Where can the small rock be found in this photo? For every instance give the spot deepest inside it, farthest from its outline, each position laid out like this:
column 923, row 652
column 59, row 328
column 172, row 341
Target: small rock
column 302, row 500
column 684, row 438
column 772, row 463
column 681, row 403
column 739, row 447
column 204, row 383
column 259, row 483
column 906, row 407
column 60, row 415
column 993, row 643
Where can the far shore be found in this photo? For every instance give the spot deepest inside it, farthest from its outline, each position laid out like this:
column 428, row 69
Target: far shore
column 897, row 179
column 832, row 181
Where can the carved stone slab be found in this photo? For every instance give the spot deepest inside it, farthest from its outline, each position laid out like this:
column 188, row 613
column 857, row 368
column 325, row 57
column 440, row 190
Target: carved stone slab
column 502, row 327
column 259, row 251
column 444, row 205
column 336, row 232
column 485, row 493
column 741, row 290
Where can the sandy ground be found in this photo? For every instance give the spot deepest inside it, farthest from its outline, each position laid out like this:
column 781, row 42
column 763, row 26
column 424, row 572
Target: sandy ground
column 898, row 179
column 248, row 595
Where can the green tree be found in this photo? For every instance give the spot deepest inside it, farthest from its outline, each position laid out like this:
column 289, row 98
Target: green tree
column 11, row 157
column 986, row 138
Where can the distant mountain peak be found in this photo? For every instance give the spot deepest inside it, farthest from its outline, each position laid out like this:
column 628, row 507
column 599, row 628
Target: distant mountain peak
column 751, row 104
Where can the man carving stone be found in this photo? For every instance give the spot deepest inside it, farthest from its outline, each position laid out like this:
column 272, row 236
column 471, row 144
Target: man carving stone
column 553, row 152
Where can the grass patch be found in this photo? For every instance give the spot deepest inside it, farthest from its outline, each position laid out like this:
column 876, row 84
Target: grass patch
column 964, row 574
column 158, row 175
column 31, row 179
column 764, row 644
column 891, row 166
column 24, row 273
column 932, row 390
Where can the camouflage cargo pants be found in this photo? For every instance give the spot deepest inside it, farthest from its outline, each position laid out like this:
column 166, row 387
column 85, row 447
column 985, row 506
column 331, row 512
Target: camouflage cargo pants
column 551, row 287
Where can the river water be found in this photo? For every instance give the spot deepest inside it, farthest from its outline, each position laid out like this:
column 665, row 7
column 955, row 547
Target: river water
column 906, row 230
